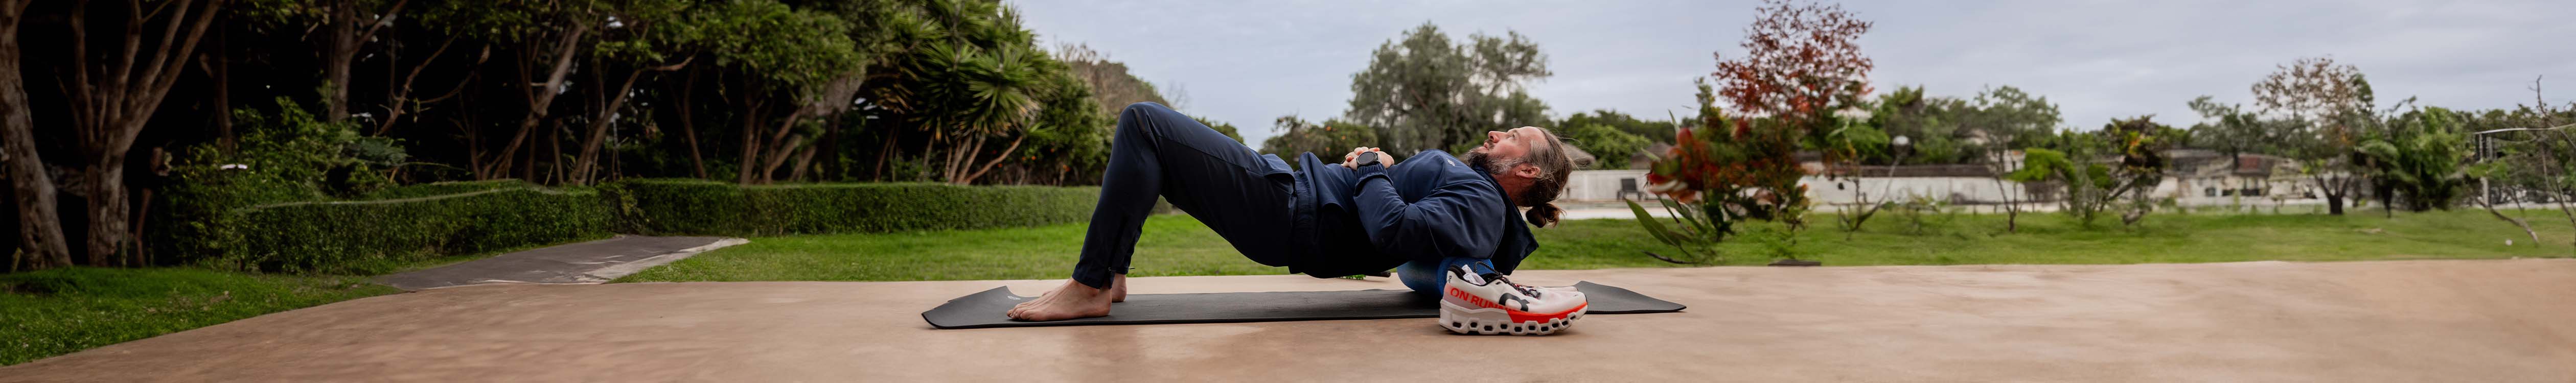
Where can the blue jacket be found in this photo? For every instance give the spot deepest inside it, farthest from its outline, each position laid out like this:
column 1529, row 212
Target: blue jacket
column 1427, row 207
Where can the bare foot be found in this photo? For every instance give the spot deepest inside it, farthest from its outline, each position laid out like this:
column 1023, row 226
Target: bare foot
column 1118, row 289
column 1071, row 301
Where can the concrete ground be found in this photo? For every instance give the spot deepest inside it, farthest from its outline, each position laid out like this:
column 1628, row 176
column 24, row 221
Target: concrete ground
column 578, row 263
column 2398, row 321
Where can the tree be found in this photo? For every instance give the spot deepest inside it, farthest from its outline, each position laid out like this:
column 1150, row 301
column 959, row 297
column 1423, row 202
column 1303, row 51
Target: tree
column 1111, row 85
column 113, row 99
column 1802, row 66
column 1930, row 124
column 32, row 189
column 651, row 36
column 1324, row 139
column 2332, row 102
column 2075, row 160
column 1608, row 142
column 1653, row 131
column 351, row 23
column 2419, row 157
column 1722, row 172
column 2526, row 154
column 1220, row 127
column 1423, row 92
column 1999, row 120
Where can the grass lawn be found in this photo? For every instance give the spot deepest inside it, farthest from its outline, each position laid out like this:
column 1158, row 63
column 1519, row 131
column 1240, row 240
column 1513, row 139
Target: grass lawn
column 55, row 312
column 1178, row 245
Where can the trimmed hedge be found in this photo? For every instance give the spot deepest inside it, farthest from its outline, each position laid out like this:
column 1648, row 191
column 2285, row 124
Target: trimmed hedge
column 700, row 207
column 392, row 228
column 434, row 189
column 371, row 237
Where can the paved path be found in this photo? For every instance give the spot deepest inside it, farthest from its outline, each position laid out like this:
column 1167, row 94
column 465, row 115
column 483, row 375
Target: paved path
column 579, row 263
column 2394, row 321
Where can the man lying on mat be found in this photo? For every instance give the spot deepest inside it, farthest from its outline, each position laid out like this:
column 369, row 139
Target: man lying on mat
column 1448, row 225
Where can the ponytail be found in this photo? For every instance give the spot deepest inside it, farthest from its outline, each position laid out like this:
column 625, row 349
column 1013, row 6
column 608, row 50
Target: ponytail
column 1543, row 215
column 1556, row 165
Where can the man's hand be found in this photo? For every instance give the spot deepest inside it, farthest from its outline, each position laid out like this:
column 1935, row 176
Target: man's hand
column 1353, row 160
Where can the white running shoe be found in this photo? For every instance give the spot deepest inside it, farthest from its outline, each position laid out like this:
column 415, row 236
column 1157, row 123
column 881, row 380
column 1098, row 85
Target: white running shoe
column 1478, row 300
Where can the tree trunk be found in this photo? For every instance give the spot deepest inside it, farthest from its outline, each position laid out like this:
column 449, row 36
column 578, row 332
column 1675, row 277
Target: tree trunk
column 782, row 144
column 2012, row 212
column 222, row 69
column 804, row 159
column 40, row 229
column 401, row 102
column 882, row 156
column 598, row 132
column 543, row 97
column 110, row 110
column 748, row 169
column 349, row 31
column 2487, row 201
column 599, row 126
column 342, row 53
column 779, row 153
column 2570, row 212
column 2334, row 195
column 2334, row 204
column 105, row 191
column 689, row 123
column 988, row 166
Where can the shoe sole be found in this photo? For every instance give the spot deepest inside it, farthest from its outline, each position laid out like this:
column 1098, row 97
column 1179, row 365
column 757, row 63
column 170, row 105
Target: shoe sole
column 1493, row 321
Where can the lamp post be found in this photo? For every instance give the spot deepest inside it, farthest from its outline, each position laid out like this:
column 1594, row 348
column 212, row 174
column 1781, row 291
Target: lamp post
column 1902, row 143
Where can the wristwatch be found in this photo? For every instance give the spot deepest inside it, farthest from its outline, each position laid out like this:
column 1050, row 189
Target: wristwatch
column 1369, row 158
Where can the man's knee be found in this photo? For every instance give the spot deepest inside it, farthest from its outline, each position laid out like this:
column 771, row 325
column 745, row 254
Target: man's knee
column 1144, row 116
column 1144, row 109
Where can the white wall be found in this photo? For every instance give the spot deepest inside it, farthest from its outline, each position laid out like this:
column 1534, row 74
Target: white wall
column 1603, row 185
column 1599, row 185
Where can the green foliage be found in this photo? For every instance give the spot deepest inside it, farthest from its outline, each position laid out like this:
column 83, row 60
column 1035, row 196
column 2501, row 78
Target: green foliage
column 1653, row 131
column 1725, row 173
column 1328, row 140
column 282, row 156
column 2090, row 186
column 1071, row 135
column 1609, row 143
column 1924, row 214
column 713, row 208
column 317, row 237
column 1220, row 127
column 2417, row 160
column 1423, row 92
column 434, row 189
column 798, row 48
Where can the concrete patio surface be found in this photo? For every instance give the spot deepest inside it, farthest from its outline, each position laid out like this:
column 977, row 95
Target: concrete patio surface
column 2383, row 321
column 576, row 263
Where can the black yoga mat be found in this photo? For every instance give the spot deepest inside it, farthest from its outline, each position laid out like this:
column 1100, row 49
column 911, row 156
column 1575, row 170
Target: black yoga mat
column 985, row 309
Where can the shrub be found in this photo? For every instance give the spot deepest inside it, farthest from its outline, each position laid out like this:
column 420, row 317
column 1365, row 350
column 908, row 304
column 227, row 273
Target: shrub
column 370, row 237
column 715, row 208
column 443, row 188
column 389, row 228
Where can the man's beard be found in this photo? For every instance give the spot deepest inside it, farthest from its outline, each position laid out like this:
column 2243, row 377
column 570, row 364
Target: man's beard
column 1485, row 163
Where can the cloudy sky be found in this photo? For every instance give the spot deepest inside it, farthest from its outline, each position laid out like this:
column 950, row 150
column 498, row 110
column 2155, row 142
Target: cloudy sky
column 1249, row 62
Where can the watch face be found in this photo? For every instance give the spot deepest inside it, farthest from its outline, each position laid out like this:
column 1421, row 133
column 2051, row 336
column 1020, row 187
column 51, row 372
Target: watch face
column 1369, row 158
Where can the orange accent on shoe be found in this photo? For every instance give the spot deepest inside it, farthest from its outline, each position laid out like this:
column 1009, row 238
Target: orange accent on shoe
column 1516, row 315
